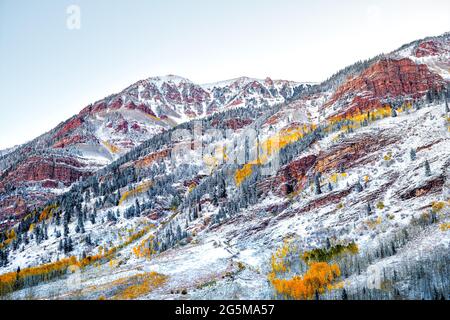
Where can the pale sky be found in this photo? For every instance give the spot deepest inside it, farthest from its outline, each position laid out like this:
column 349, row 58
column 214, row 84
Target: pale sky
column 49, row 73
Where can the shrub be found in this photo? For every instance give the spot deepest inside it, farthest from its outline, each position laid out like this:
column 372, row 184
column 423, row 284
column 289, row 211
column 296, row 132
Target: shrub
column 380, row 205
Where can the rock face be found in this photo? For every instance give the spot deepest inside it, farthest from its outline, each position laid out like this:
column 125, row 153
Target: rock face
column 35, row 178
column 434, row 185
column 385, row 80
column 432, row 48
column 72, row 140
column 151, row 158
column 16, row 206
column 49, row 171
column 289, row 178
column 351, row 153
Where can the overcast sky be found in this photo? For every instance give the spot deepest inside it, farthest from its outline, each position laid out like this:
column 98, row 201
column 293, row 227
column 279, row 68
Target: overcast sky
column 49, row 72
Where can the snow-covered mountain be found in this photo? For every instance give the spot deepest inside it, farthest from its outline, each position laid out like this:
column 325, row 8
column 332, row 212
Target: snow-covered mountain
column 103, row 131
column 122, row 121
column 338, row 190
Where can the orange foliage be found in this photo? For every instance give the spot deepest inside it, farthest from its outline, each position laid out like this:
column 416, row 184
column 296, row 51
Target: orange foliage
column 243, row 173
column 317, row 279
column 47, row 212
column 145, row 248
column 151, row 158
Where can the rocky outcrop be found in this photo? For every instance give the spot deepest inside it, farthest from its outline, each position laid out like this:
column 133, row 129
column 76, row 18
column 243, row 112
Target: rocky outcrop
column 431, row 48
column 289, row 178
column 47, row 171
column 72, row 140
column 151, row 158
column 15, row 206
column 70, row 126
column 433, row 185
column 384, row 80
column 351, row 153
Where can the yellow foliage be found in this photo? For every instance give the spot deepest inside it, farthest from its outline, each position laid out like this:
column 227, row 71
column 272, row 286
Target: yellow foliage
column 104, row 254
column 437, row 206
column 154, row 118
column 327, row 254
column 143, row 187
column 278, row 258
column 287, row 136
column 12, row 234
column 388, row 156
column 242, row 174
column 334, row 178
column 9, row 281
column 145, row 248
column 191, row 187
column 357, row 118
column 373, row 223
column 380, row 205
column 445, row 226
column 113, row 263
column 145, row 283
column 111, row 147
column 270, row 146
column 138, row 234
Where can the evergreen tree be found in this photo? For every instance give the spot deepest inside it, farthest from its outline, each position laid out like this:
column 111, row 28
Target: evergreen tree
column 195, row 214
column 369, row 209
column 412, row 154
column 427, row 168
column 358, row 187
column 80, row 225
column 393, row 113
column 344, row 294
column 179, row 233
column 429, row 97
column 137, row 208
column 92, row 218
column 317, row 183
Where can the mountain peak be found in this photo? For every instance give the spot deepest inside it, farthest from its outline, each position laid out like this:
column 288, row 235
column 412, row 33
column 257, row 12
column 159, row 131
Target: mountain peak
column 170, row 78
